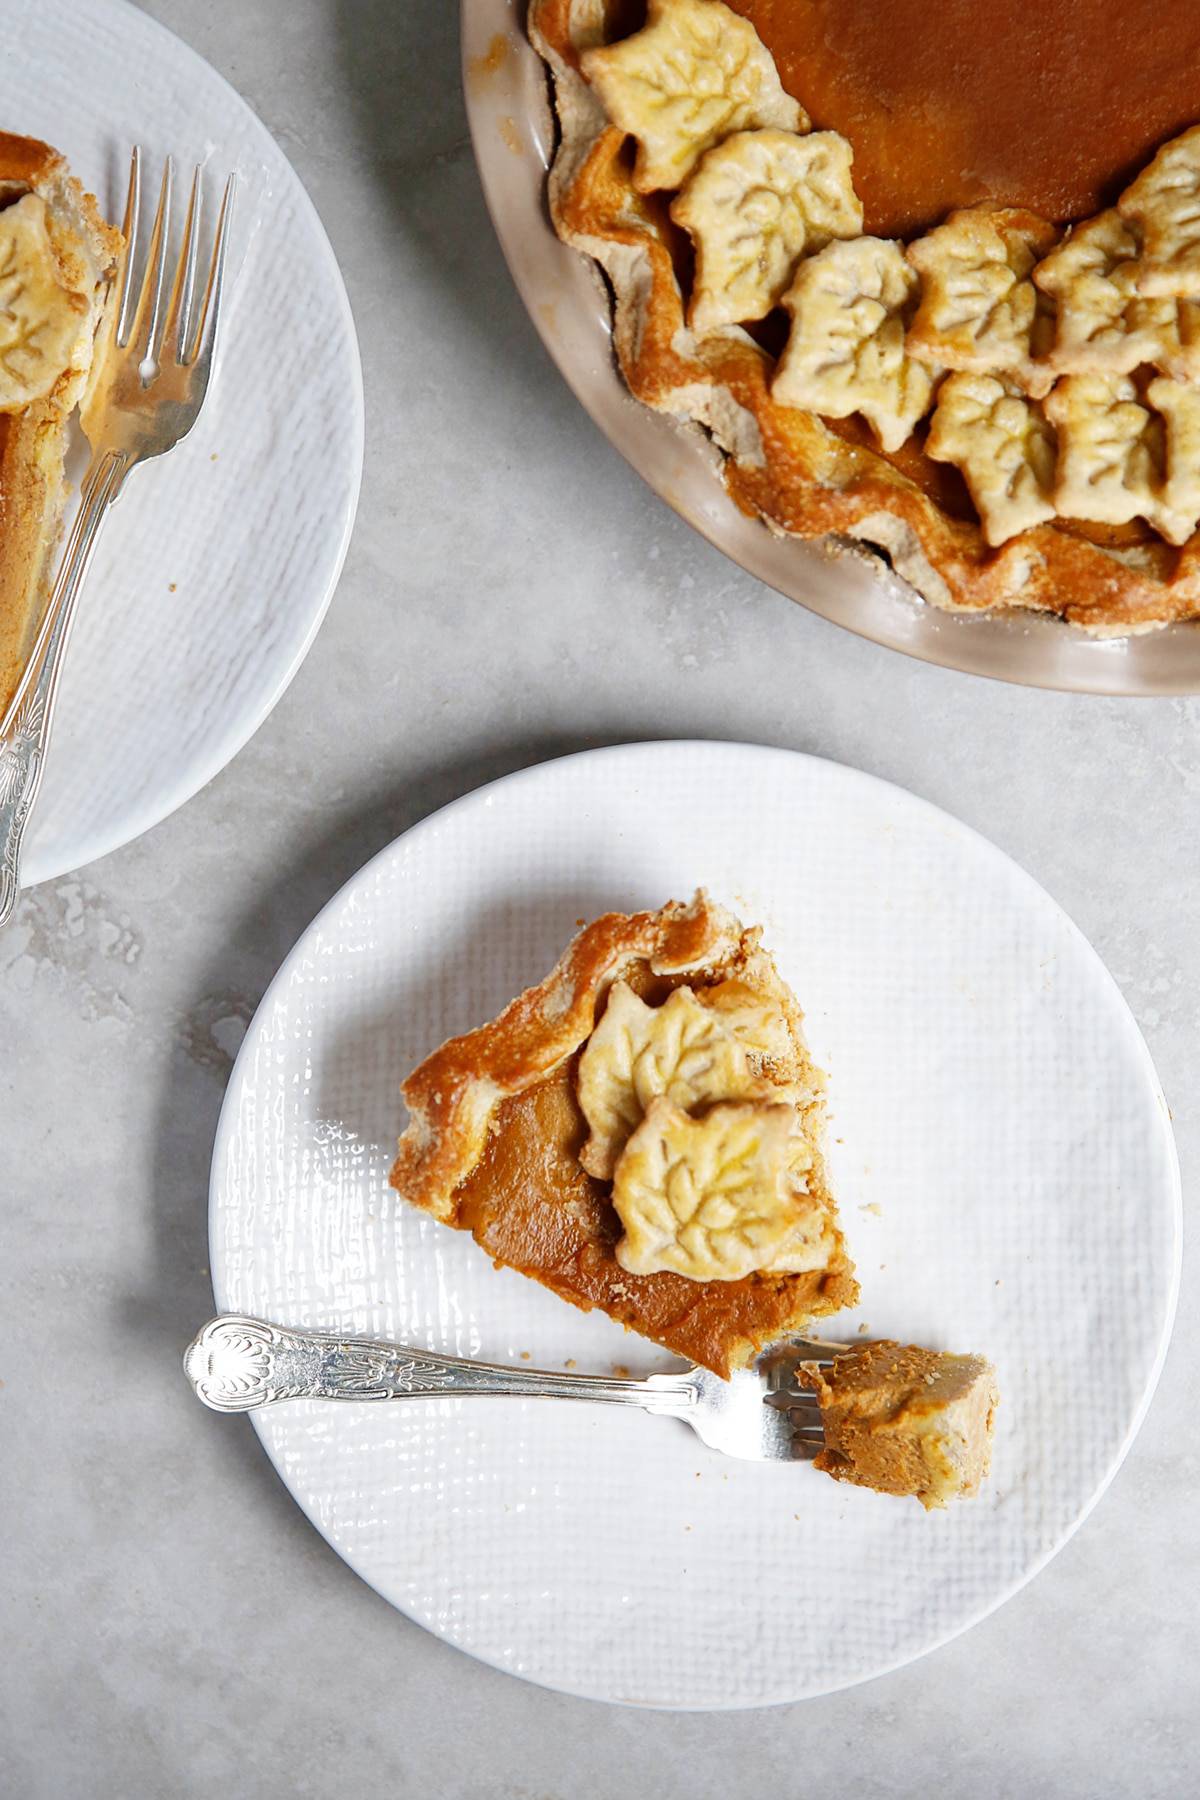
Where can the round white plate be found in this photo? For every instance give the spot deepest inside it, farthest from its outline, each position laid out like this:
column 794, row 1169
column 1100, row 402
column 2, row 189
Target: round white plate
column 215, row 569
column 1007, row 1178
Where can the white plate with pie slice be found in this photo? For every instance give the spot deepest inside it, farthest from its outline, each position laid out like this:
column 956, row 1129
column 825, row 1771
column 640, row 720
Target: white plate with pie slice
column 215, row 569
column 1007, row 1177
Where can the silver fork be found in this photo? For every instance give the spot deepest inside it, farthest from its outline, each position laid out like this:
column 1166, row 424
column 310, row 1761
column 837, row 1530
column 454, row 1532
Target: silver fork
column 153, row 360
column 238, row 1363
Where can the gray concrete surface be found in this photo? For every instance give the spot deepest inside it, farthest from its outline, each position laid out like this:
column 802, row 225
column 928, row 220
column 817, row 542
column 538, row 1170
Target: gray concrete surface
column 171, row 1625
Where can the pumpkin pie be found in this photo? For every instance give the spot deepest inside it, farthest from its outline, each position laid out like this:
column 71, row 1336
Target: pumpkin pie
column 642, row 1133
column 929, row 276
column 56, row 256
column 905, row 1421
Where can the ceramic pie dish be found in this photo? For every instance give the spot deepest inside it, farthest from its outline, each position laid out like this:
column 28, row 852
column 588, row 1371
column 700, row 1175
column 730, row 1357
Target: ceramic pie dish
column 515, row 135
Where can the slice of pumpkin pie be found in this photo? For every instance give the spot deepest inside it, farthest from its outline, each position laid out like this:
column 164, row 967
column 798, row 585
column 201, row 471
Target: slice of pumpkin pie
column 642, row 1133
column 903, row 1420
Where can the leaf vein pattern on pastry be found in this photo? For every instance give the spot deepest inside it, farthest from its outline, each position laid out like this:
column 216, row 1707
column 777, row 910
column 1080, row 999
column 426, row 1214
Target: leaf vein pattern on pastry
column 1112, row 455
column 712, row 1198
column 755, row 204
column 1004, row 447
column 695, row 73
column 1164, row 204
column 1103, row 324
column 850, row 305
column 979, row 308
column 40, row 320
column 637, row 1053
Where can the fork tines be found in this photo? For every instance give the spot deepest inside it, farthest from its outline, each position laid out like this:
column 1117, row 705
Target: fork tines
column 176, row 326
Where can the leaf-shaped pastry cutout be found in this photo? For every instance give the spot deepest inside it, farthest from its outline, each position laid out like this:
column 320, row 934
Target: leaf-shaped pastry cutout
column 1164, row 204
column 696, row 73
column 712, row 1198
column 1111, row 455
column 1179, row 404
column 757, row 203
column 754, row 1018
column 850, row 304
column 638, row 1052
column 40, row 321
column 979, row 308
column 1004, row 446
column 1103, row 324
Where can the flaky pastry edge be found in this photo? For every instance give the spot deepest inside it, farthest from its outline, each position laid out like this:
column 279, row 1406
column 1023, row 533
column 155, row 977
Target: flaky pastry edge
column 453, row 1095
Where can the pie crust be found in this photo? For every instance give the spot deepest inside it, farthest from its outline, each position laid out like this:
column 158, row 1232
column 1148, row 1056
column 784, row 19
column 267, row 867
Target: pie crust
column 33, row 436
column 804, row 475
column 496, row 1133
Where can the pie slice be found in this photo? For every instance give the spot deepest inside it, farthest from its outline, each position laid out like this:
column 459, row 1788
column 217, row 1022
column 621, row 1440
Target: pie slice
column 906, row 1421
column 56, row 257
column 642, row 1133
column 1037, row 173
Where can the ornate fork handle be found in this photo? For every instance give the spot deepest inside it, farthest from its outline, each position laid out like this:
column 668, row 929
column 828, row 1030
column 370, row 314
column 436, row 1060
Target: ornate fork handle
column 238, row 1363
column 25, row 731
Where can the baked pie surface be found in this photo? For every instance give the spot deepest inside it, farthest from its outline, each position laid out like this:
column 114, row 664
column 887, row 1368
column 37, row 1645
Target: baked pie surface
column 56, row 253
column 739, row 1245
column 976, row 129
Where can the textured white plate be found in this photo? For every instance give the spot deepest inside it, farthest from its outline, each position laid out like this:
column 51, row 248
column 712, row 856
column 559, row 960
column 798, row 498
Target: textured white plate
column 991, row 1096
column 215, row 569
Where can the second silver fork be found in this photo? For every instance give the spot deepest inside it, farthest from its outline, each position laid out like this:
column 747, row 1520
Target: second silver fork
column 153, row 365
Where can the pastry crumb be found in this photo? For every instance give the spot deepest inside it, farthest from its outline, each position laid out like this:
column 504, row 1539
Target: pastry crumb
column 525, row 1356
column 570, row 1363
column 872, row 1206
column 863, row 1329
column 620, row 1371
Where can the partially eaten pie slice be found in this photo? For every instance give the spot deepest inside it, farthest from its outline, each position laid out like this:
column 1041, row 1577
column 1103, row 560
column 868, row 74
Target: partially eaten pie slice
column 642, row 1133
column 903, row 1420
column 56, row 256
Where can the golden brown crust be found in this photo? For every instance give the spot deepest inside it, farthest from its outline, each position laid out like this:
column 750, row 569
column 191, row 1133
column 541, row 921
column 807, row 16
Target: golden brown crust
column 496, row 1132
column 454, row 1094
column 33, row 440
column 26, row 163
column 797, row 473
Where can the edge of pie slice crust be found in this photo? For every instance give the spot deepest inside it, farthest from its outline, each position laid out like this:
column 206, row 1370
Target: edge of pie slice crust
column 33, row 439
column 495, row 1132
column 788, row 467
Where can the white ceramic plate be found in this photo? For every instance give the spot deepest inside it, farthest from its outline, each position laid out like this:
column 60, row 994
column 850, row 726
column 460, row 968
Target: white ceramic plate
column 215, row 569
column 514, row 134
column 991, row 1096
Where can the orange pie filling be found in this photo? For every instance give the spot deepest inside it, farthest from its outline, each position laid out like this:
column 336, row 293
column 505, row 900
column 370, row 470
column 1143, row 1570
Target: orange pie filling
column 903, row 1420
